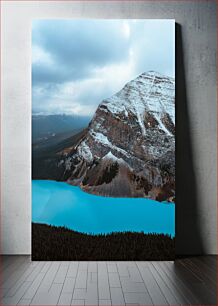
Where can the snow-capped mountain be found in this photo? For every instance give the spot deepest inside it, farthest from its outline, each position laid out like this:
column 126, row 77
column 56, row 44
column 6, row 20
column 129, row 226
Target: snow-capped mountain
column 129, row 147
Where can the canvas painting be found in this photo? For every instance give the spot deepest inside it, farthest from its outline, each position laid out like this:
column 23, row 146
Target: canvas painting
column 103, row 139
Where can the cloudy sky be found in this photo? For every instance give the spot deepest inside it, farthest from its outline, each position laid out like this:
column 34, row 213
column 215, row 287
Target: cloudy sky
column 77, row 63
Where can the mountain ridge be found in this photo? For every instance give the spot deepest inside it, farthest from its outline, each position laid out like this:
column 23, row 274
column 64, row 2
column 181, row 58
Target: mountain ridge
column 136, row 127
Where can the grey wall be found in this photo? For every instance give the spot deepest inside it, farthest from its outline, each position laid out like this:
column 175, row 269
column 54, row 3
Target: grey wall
column 196, row 112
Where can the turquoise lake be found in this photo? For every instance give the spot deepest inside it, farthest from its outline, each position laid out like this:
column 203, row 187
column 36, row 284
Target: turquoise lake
column 61, row 204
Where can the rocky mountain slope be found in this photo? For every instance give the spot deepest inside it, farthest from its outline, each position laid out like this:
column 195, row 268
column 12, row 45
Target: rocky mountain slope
column 128, row 149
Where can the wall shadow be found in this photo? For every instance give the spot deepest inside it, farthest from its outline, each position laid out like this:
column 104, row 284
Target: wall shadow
column 188, row 233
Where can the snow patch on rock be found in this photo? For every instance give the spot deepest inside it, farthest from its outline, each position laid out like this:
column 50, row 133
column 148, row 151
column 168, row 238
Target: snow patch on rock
column 85, row 152
column 111, row 156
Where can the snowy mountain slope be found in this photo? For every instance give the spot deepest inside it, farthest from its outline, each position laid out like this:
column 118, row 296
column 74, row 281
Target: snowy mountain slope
column 129, row 146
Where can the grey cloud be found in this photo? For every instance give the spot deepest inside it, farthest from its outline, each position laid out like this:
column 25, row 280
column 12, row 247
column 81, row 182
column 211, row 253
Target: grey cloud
column 77, row 47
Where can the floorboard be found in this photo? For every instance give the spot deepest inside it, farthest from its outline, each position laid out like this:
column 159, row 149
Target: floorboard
column 187, row 281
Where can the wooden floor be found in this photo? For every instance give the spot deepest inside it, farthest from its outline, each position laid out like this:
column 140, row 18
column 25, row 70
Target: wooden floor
column 188, row 281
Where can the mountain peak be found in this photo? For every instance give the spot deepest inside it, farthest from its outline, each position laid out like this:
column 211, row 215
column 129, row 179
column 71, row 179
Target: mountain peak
column 150, row 92
column 134, row 129
column 152, row 73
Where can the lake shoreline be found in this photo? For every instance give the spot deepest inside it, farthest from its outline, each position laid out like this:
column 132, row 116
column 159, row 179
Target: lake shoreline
column 97, row 195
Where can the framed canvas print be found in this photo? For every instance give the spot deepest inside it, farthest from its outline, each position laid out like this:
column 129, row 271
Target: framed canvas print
column 103, row 139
